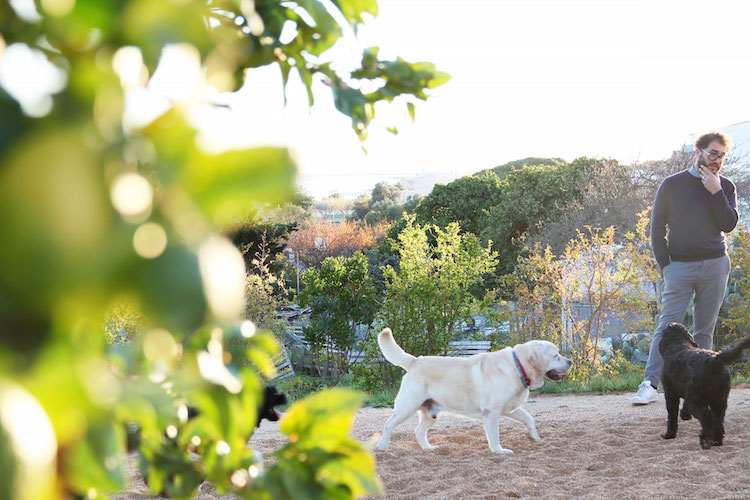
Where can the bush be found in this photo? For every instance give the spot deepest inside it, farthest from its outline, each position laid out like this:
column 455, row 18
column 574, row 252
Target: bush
column 299, row 386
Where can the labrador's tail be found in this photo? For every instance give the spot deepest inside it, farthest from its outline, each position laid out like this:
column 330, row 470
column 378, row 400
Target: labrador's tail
column 392, row 352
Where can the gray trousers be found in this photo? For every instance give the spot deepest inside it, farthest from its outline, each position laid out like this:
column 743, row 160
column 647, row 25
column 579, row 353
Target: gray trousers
column 707, row 279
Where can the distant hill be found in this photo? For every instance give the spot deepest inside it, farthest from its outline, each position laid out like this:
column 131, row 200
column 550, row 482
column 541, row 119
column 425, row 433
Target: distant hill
column 502, row 171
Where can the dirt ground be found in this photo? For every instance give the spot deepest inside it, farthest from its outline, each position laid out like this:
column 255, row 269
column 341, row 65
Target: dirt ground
column 592, row 447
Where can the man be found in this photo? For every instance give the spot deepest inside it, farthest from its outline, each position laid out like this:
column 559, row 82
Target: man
column 692, row 211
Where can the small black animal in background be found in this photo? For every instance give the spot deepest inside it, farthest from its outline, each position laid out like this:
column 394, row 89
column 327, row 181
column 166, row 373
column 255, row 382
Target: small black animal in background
column 699, row 376
column 271, row 399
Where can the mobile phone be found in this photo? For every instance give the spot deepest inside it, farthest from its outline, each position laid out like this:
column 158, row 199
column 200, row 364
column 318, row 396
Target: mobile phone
column 698, row 167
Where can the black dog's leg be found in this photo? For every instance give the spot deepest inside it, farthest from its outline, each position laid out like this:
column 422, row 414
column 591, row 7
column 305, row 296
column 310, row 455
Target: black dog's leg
column 685, row 412
column 673, row 406
column 702, row 412
column 719, row 408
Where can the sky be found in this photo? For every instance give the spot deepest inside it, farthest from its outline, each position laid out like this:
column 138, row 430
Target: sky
column 625, row 79
column 629, row 80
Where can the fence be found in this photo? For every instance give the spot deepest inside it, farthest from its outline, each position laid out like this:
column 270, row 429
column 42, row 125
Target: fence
column 305, row 361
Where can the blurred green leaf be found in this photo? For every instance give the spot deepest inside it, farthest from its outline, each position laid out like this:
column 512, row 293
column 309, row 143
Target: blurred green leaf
column 152, row 25
column 323, row 33
column 171, row 288
column 355, row 469
column 228, row 186
column 68, row 255
column 353, row 9
column 410, row 106
column 56, row 217
column 97, row 461
column 8, row 466
column 321, row 420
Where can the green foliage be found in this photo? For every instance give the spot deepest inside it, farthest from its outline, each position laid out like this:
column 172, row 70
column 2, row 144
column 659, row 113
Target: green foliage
column 320, row 459
column 530, row 196
column 603, row 383
column 506, row 208
column 611, row 196
column 341, row 297
column 609, row 277
column 429, row 296
column 262, row 240
column 299, row 386
column 736, row 306
column 122, row 322
column 502, row 171
column 466, row 200
column 93, row 212
column 382, row 205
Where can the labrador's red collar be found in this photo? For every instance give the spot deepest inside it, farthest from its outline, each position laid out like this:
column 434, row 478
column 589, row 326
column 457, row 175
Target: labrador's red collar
column 524, row 377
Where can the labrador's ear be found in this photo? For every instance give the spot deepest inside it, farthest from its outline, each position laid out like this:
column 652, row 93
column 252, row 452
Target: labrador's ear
column 535, row 356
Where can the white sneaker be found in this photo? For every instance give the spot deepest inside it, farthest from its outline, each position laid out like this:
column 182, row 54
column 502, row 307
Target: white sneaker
column 646, row 394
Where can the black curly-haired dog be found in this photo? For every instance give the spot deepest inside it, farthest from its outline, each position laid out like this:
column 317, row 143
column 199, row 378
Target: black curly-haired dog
column 272, row 397
column 699, row 376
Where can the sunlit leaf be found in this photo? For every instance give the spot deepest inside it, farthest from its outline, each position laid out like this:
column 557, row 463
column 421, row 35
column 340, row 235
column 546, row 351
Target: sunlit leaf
column 172, row 288
column 56, row 216
column 355, row 469
column 152, row 25
column 96, row 462
column 227, row 186
column 323, row 419
column 323, row 32
column 353, row 9
column 231, row 185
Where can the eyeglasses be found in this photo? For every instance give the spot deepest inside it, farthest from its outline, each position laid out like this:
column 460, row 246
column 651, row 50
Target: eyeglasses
column 713, row 155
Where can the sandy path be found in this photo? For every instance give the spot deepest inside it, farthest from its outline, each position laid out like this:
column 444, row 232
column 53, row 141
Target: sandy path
column 592, row 447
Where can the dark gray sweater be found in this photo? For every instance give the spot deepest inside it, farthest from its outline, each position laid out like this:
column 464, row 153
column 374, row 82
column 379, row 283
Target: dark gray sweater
column 688, row 222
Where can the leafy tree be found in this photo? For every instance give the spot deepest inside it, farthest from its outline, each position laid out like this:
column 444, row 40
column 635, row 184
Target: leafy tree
column 610, row 197
column 333, row 204
column 429, row 296
column 265, row 292
column 596, row 275
column 387, row 192
column 270, row 240
column 533, row 298
column 502, row 171
column 529, row 197
column 342, row 298
column 93, row 211
column 298, row 208
column 736, row 308
column 467, row 200
column 530, row 194
column 382, row 205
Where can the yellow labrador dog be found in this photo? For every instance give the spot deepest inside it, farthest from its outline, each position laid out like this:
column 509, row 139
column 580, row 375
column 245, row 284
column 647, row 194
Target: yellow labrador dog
column 486, row 386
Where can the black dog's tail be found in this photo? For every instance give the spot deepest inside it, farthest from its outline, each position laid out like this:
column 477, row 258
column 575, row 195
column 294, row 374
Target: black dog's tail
column 733, row 352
